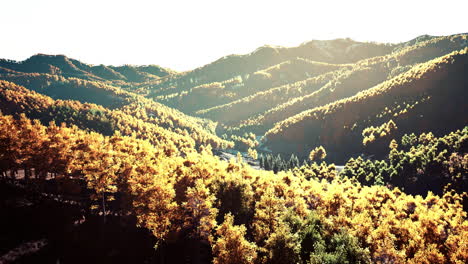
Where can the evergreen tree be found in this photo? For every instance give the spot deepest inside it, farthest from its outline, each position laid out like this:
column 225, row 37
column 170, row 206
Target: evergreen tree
column 261, row 160
column 268, row 162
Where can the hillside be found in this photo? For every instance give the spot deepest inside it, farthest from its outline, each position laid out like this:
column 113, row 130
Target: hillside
column 262, row 110
column 67, row 67
column 158, row 124
column 429, row 97
column 216, row 93
column 339, row 51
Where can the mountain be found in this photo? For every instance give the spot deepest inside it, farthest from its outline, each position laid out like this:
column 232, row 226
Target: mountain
column 337, row 51
column 67, row 67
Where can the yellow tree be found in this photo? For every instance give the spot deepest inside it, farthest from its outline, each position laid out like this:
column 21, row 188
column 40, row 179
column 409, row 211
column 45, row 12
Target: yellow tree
column 100, row 168
column 199, row 211
column 57, row 152
column 253, row 153
column 153, row 202
column 231, row 247
column 282, row 247
column 30, row 139
column 267, row 215
column 10, row 144
column 318, row 153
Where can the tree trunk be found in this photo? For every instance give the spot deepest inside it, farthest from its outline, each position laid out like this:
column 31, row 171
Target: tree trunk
column 26, row 174
column 104, row 206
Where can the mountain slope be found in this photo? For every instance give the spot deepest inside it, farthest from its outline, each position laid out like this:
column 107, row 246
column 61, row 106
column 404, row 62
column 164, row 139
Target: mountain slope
column 154, row 122
column 429, row 97
column 336, row 51
column 259, row 112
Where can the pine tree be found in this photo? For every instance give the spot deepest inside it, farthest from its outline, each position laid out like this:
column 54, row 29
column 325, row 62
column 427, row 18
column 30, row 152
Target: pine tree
column 261, row 161
column 268, row 162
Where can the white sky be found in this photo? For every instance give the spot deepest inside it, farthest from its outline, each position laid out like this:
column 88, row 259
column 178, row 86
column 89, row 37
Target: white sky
column 186, row 34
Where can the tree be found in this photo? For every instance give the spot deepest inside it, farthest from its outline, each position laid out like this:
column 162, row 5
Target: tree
column 262, row 161
column 293, row 162
column 282, row 247
column 393, row 144
column 231, row 247
column 253, row 153
column 200, row 214
column 267, row 214
column 268, row 162
column 318, row 153
column 154, row 203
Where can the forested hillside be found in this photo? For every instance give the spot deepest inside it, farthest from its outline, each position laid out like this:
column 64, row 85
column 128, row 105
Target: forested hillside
column 333, row 151
column 334, row 51
column 415, row 101
column 264, row 109
column 148, row 120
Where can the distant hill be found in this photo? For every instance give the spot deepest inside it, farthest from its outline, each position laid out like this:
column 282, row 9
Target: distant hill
column 67, row 67
column 338, row 51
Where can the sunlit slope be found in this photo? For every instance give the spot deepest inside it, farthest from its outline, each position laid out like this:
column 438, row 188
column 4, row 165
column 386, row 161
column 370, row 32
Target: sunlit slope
column 301, row 96
column 218, row 93
column 63, row 78
column 196, row 90
column 72, row 88
column 429, row 97
column 276, row 100
column 158, row 124
column 337, row 51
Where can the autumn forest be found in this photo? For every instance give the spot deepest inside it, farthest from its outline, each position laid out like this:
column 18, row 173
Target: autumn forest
column 333, row 151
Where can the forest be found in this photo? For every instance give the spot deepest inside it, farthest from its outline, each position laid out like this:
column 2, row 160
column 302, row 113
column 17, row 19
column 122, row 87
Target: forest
column 333, row 151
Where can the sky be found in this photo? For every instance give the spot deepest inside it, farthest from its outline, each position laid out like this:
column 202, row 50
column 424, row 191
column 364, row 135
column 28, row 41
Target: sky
column 183, row 35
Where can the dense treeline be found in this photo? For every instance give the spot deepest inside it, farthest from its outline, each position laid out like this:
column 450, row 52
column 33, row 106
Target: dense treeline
column 115, row 98
column 429, row 97
column 246, row 215
column 277, row 163
column 71, row 88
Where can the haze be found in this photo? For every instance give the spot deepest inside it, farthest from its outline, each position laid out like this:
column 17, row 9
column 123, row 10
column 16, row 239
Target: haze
column 183, row 35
